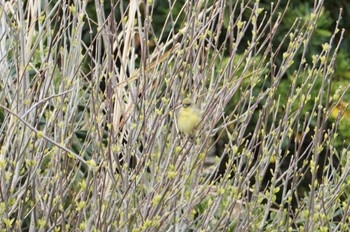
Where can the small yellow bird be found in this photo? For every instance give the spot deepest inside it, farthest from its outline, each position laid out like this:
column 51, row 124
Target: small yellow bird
column 188, row 117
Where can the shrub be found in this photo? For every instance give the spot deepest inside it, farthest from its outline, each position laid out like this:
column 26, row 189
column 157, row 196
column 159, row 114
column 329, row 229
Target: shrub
column 89, row 101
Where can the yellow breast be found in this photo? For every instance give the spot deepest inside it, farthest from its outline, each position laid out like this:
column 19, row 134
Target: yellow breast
column 188, row 119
